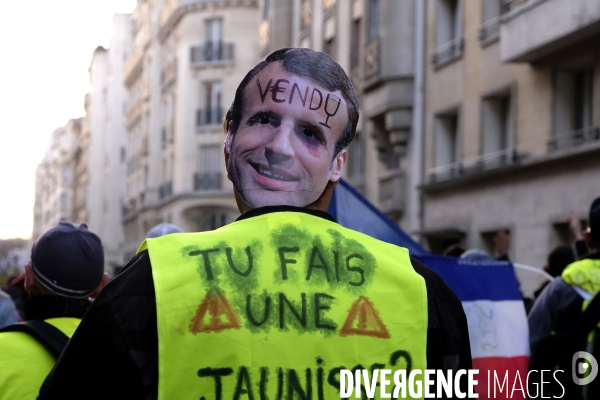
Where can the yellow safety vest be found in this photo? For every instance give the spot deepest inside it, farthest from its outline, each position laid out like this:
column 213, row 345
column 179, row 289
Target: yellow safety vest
column 272, row 307
column 25, row 363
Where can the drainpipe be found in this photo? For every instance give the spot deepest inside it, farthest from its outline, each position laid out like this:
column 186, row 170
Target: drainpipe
column 417, row 209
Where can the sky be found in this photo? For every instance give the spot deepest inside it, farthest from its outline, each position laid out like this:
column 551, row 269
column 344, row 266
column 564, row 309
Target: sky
column 46, row 49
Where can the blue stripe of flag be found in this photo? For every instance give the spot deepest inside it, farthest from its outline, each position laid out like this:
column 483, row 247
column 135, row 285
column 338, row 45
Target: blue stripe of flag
column 476, row 280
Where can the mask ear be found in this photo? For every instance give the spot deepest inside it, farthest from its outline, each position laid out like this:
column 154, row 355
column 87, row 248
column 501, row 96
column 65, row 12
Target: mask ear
column 229, row 138
column 338, row 165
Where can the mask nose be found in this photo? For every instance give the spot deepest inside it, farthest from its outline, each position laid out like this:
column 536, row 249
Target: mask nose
column 280, row 148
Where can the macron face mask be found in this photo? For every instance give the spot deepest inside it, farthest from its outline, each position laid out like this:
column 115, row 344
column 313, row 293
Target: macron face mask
column 282, row 152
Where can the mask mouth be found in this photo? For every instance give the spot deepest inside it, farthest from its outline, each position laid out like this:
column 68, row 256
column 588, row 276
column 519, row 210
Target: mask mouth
column 274, row 173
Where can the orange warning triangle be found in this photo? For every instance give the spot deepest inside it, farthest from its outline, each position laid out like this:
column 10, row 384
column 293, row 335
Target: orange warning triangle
column 364, row 320
column 214, row 314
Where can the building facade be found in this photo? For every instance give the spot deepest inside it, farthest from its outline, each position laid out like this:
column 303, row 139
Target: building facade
column 187, row 59
column 54, row 179
column 511, row 123
column 107, row 143
column 375, row 42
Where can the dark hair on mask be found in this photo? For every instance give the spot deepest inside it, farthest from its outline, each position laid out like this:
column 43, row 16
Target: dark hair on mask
column 314, row 65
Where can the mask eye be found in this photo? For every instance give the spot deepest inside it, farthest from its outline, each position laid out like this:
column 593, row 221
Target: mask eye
column 307, row 132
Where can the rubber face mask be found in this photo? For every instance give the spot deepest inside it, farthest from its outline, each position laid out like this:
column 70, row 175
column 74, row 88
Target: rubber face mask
column 282, row 153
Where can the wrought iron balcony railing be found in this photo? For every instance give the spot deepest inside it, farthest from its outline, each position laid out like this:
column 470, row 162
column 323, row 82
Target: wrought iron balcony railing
column 209, row 116
column 211, row 52
column 574, row 139
column 207, row 181
column 448, row 52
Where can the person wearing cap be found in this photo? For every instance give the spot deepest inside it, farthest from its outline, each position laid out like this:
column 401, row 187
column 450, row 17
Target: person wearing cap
column 560, row 307
column 276, row 303
column 66, row 268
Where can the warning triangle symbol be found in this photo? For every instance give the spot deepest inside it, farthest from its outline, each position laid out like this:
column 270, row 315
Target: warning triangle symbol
column 214, row 314
column 363, row 320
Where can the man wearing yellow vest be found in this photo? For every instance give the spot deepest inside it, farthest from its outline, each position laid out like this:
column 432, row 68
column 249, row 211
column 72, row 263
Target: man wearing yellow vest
column 66, row 267
column 558, row 318
column 275, row 304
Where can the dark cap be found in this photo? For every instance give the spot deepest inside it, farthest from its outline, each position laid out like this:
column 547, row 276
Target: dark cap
column 68, row 260
column 594, row 222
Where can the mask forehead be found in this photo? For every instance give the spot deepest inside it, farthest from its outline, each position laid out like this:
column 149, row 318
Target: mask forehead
column 275, row 87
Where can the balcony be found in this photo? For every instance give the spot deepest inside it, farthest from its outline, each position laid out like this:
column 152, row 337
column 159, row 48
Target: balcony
column 486, row 162
column 210, row 116
column 392, row 189
column 165, row 190
column 174, row 10
column 489, row 31
column 538, row 28
column 134, row 66
column 448, row 52
column 204, row 181
column 134, row 113
column 212, row 54
column 574, row 139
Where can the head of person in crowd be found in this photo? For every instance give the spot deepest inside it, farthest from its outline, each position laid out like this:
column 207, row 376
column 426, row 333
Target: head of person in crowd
column 454, row 250
column 558, row 259
column 476, row 255
column 592, row 237
column 66, row 268
column 287, row 129
column 162, row 229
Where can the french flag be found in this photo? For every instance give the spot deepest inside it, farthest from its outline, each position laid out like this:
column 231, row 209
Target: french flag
column 498, row 330
column 488, row 290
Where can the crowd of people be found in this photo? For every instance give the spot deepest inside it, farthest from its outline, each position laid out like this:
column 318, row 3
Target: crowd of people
column 169, row 324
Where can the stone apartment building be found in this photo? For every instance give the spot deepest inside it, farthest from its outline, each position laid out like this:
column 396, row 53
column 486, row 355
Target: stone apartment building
column 511, row 122
column 187, row 59
column 375, row 42
column 106, row 158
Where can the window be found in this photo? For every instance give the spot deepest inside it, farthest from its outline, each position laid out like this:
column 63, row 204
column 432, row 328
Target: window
column 488, row 241
column 208, row 176
column 163, row 137
column 373, row 31
column 266, row 8
column 572, row 109
column 213, row 29
column 446, row 138
column 447, row 21
column 491, row 12
column 212, row 220
column 449, row 41
column 212, row 112
column 356, row 44
column 329, row 47
column 496, row 124
column 329, row 28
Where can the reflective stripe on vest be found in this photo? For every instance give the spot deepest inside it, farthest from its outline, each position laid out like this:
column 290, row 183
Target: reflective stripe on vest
column 272, row 307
